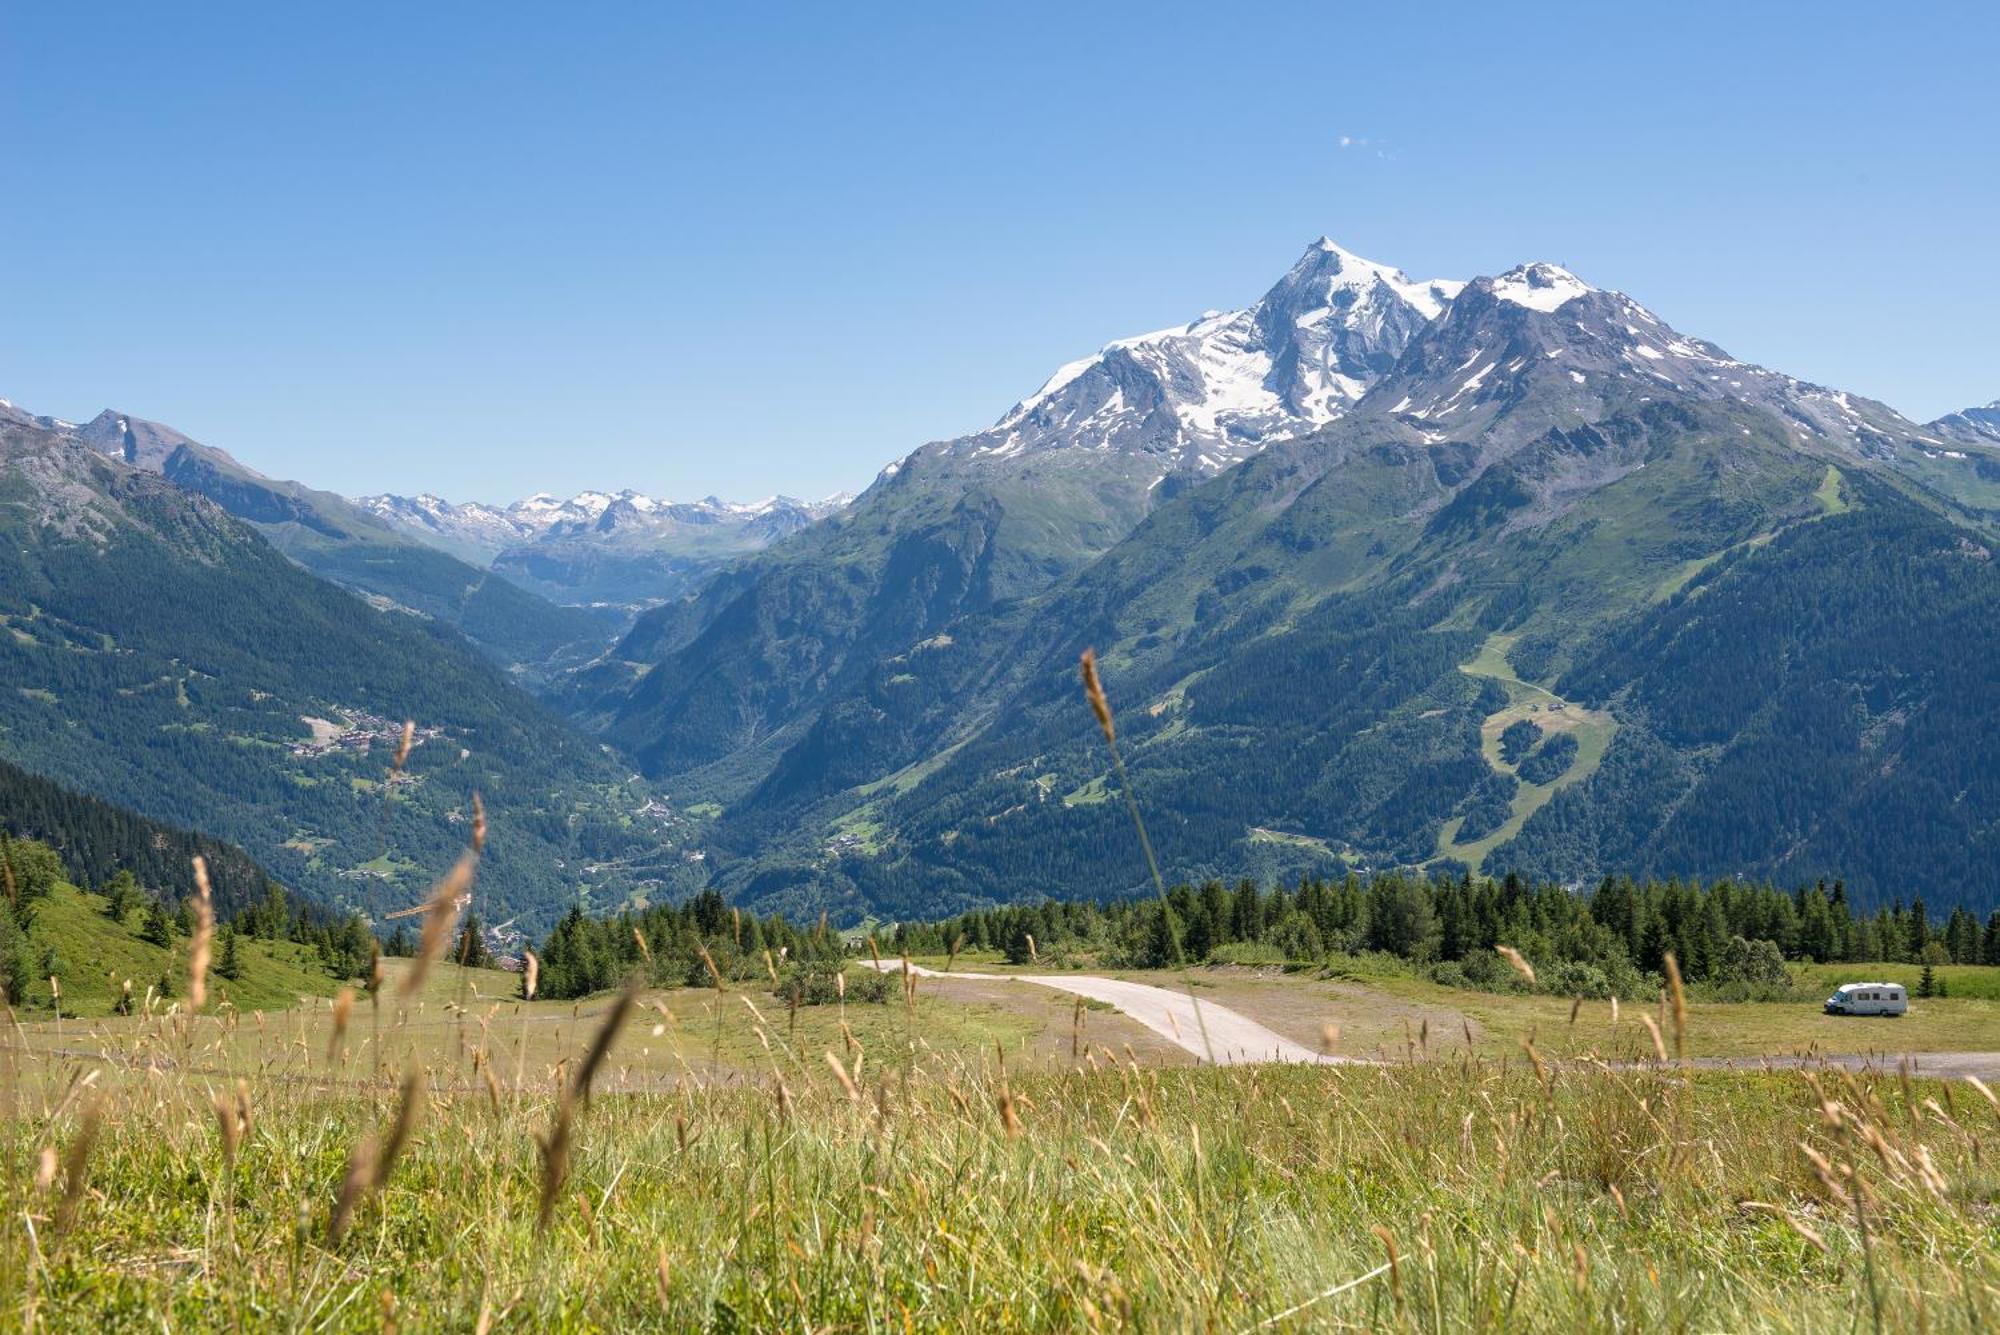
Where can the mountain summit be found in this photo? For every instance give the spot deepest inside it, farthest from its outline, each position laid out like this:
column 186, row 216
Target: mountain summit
column 1211, row 392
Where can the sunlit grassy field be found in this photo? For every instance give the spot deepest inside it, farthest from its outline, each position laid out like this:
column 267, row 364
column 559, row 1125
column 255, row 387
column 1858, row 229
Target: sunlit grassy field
column 972, row 1163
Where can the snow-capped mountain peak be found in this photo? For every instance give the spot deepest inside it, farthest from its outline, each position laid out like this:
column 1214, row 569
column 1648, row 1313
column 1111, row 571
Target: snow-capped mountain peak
column 1208, row 393
column 1540, row 286
column 1537, row 347
column 1978, row 426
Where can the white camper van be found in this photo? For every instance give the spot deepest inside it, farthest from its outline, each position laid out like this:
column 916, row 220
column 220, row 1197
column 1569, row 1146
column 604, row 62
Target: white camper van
column 1868, row 999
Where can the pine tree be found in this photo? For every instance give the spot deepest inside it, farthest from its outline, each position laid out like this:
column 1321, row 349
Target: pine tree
column 158, row 929
column 17, row 968
column 1927, row 982
column 229, row 963
column 120, row 893
column 472, row 951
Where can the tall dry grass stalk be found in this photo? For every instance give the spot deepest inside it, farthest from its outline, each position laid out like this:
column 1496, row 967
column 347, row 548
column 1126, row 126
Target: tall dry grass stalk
column 360, row 1172
column 1395, row 1264
column 371, row 1161
column 556, row 1145
column 230, row 1128
column 1678, row 996
column 403, row 744
column 76, row 1164
column 1100, row 705
column 447, row 899
column 1517, row 962
column 204, row 936
column 1653, row 1032
column 405, row 1123
column 343, row 1008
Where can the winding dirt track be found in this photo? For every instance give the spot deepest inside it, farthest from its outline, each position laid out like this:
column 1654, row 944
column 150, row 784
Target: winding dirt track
column 1233, row 1038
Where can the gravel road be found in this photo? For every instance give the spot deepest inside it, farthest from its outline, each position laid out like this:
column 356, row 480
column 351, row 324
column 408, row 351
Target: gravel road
column 1234, row 1037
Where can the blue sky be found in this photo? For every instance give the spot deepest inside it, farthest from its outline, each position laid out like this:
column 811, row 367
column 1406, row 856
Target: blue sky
column 485, row 250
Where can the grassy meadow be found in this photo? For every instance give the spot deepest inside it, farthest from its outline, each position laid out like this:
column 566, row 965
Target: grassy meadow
column 975, row 1156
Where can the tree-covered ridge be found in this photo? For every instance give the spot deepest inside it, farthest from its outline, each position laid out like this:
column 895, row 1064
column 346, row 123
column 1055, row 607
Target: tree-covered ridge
column 1614, row 940
column 1824, row 702
column 62, row 930
column 96, row 840
column 341, row 541
column 158, row 653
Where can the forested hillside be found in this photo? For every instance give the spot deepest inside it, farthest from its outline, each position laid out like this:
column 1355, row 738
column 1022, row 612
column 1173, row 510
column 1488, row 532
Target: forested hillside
column 340, row 541
column 96, row 840
column 160, row 654
column 1825, row 702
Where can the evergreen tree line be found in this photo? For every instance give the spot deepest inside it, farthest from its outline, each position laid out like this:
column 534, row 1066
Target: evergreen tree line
column 676, row 944
column 1730, row 934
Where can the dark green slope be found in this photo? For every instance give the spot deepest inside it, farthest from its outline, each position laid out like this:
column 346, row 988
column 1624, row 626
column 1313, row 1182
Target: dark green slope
column 1286, row 641
column 96, row 839
column 722, row 682
column 338, row 541
column 161, row 654
column 1821, row 707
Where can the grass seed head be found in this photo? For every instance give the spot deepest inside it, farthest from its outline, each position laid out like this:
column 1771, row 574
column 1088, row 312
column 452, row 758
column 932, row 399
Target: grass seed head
column 343, row 1007
column 360, row 1172
column 1653, row 1031
column 607, row 1034
column 227, row 1125
column 1517, row 962
column 448, row 897
column 76, row 1164
column 402, row 750
column 405, row 1123
column 1678, row 995
column 1093, row 690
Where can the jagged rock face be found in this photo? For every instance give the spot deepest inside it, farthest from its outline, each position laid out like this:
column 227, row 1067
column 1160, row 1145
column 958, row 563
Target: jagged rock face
column 1538, row 337
column 1974, row 426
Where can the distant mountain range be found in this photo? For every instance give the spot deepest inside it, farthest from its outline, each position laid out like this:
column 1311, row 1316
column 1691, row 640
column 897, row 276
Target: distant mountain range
column 1502, row 573
column 624, row 549
column 342, row 542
